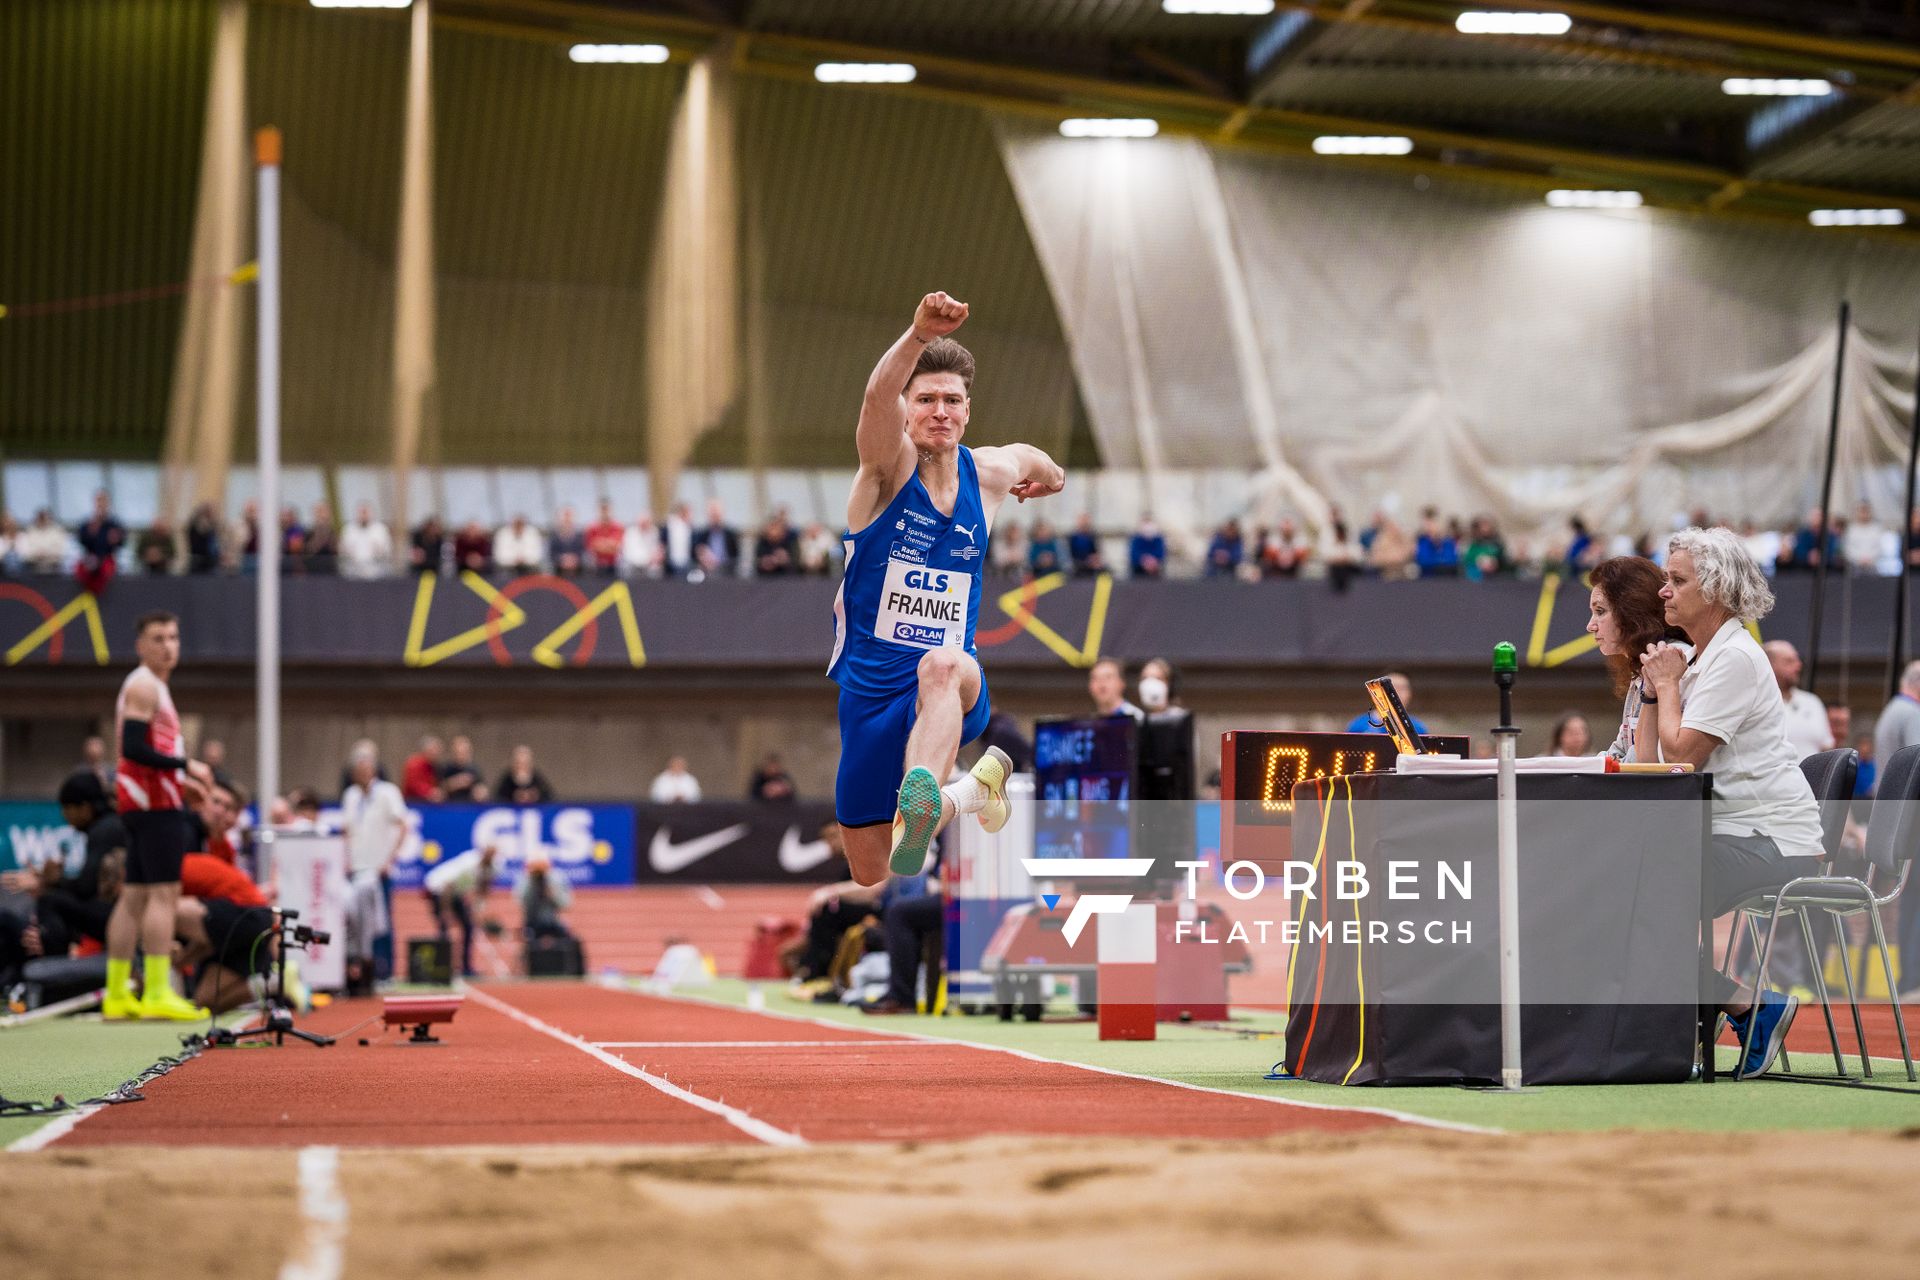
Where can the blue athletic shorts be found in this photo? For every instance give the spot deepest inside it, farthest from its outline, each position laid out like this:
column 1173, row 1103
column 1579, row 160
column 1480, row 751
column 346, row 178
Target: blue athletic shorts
column 873, row 749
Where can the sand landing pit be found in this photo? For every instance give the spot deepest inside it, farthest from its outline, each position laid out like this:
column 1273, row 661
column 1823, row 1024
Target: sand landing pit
column 1386, row 1202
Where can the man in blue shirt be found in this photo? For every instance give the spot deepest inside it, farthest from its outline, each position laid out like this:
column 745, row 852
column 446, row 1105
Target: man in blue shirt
column 1147, row 553
column 1367, row 722
column 1083, row 545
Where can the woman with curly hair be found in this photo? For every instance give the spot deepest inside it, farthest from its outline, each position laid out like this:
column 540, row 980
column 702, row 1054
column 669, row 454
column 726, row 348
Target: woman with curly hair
column 1628, row 616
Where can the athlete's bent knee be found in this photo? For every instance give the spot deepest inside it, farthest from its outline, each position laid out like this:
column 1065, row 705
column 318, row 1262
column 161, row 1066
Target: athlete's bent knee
column 942, row 667
column 866, row 853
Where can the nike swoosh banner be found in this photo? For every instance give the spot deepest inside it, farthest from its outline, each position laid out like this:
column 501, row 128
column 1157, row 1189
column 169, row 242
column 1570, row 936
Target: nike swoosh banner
column 734, row 842
column 481, row 625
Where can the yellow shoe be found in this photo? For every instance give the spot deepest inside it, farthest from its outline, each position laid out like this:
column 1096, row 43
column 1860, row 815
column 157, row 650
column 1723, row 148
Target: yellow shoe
column 120, row 1008
column 991, row 772
column 297, row 994
column 166, row 1005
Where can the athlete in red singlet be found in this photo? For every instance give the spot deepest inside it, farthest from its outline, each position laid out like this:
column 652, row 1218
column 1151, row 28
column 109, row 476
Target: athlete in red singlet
column 154, row 784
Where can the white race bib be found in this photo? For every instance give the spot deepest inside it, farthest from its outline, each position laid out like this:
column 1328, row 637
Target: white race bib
column 922, row 607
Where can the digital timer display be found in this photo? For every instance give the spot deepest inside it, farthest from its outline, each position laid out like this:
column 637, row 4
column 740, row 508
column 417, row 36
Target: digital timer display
column 1259, row 769
column 1288, row 765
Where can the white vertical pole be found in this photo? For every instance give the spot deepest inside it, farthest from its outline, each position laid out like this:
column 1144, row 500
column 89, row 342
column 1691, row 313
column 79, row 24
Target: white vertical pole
column 1507, row 802
column 267, row 577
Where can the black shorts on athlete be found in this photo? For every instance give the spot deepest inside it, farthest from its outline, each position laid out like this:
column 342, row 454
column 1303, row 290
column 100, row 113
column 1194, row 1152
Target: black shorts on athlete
column 239, row 936
column 157, row 840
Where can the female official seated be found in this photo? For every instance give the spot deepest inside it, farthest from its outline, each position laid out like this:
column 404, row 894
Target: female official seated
column 1628, row 616
column 1721, row 712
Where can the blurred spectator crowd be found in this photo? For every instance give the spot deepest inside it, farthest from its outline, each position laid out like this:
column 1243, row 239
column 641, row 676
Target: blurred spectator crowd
column 678, row 547
column 1448, row 547
column 366, row 547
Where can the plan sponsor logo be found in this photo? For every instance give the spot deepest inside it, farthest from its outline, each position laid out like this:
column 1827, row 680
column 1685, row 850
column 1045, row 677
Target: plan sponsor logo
column 908, row 633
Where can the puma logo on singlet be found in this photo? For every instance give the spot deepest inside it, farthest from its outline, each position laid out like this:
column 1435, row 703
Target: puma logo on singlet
column 963, row 529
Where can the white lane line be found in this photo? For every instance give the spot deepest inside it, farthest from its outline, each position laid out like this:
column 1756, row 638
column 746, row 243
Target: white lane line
column 1405, row 1117
column 50, row 1132
column 323, row 1217
column 769, row 1134
column 756, row 1044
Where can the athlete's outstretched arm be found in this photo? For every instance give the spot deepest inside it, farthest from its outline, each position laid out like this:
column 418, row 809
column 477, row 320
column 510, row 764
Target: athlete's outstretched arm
column 1019, row 470
column 882, row 434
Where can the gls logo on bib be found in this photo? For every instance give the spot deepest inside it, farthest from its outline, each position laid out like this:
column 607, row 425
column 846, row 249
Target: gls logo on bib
column 926, row 608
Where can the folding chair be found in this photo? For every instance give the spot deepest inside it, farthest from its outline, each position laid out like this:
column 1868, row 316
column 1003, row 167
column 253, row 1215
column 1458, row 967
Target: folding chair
column 1831, row 775
column 1893, row 833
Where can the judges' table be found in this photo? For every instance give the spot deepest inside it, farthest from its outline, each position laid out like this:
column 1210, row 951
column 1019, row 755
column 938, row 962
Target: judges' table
column 1397, row 980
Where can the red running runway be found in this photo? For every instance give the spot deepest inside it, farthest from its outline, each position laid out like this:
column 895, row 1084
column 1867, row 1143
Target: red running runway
column 568, row 1063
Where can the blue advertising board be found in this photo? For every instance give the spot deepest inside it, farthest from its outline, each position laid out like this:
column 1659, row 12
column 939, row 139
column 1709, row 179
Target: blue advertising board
column 1084, row 777
column 33, row 831
column 591, row 844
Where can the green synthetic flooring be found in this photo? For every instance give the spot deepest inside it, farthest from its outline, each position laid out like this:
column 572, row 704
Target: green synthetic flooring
column 79, row 1058
column 1237, row 1058
column 83, row 1057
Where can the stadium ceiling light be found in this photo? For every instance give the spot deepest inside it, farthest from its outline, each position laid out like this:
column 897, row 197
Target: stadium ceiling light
column 1362, row 145
column 1857, row 217
column 1108, row 128
column 1742, row 86
column 1583, row 199
column 1481, row 22
column 618, row 53
column 362, row 4
column 865, row 72
column 1243, row 8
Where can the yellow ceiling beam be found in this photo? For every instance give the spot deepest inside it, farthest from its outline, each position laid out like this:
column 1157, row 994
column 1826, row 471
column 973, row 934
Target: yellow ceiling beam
column 1715, row 68
column 1053, row 95
column 1730, row 31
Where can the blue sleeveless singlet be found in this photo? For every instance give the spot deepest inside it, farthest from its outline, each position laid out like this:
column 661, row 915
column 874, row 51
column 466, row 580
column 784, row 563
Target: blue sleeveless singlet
column 912, row 583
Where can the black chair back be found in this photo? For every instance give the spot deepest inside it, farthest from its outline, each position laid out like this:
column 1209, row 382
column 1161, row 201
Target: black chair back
column 1893, row 832
column 1831, row 774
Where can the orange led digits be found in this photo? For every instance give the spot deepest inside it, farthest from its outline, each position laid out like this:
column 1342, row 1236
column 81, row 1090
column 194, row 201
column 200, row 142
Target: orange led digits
column 1297, row 756
column 1340, row 769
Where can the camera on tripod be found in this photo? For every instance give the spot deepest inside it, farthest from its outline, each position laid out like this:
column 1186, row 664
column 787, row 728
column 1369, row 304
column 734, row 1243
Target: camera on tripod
column 299, row 935
column 277, row 1018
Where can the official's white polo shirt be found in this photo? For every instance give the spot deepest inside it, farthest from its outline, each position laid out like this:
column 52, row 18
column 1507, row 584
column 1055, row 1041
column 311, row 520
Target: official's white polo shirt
column 1808, row 729
column 1729, row 691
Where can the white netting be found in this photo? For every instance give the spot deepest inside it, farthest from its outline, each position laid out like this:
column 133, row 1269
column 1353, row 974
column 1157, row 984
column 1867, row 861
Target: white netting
column 1365, row 340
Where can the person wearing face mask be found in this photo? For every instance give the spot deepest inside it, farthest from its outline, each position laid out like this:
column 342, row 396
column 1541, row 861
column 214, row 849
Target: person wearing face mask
column 1156, row 686
column 1166, row 739
column 1147, row 550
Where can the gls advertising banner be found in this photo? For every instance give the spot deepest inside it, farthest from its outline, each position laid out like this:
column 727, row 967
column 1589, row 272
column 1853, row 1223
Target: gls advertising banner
column 591, row 844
